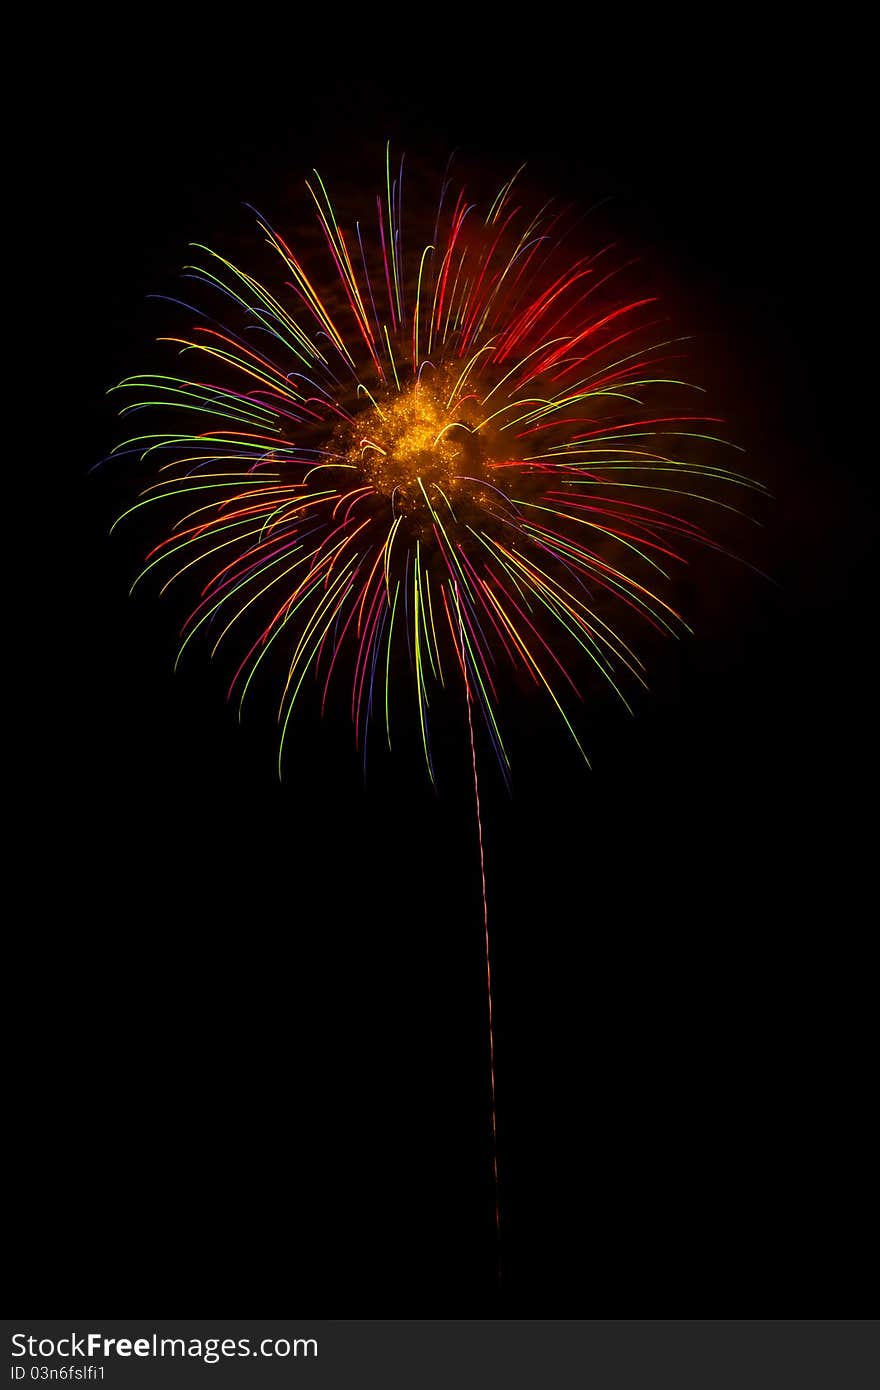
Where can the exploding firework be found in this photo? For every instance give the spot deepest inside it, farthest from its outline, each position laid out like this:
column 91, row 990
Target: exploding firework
column 413, row 465
column 462, row 461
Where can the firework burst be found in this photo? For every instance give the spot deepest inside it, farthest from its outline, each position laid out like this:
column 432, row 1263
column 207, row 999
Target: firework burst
column 466, row 461
column 412, row 465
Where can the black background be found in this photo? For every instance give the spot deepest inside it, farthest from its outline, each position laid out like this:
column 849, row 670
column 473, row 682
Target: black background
column 251, row 1066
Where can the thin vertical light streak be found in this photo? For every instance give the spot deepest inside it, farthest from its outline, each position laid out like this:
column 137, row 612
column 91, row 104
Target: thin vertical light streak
column 492, row 1094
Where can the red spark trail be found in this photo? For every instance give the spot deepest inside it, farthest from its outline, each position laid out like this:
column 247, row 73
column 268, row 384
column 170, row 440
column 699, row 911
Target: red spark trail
column 467, row 686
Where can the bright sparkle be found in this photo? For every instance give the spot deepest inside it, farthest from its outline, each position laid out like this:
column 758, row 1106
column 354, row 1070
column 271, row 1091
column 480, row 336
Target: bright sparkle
column 417, row 450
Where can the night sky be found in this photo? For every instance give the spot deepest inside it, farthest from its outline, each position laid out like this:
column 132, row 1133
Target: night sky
column 254, row 1031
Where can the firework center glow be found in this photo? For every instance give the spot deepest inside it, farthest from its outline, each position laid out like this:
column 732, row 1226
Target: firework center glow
column 416, row 451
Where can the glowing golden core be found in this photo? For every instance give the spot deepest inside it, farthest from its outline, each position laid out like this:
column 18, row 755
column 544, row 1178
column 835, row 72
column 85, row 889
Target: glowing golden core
column 415, row 452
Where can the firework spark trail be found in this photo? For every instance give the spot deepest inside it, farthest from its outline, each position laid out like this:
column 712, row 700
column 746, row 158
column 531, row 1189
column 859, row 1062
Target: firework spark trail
column 483, row 427
column 492, row 1095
